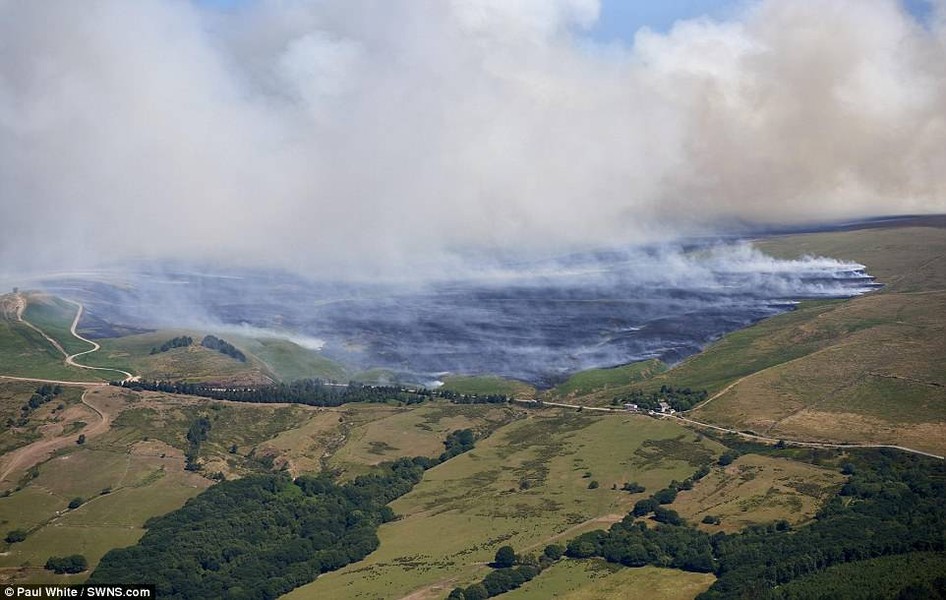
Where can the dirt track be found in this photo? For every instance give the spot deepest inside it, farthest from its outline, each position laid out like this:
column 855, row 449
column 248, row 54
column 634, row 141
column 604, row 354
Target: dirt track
column 23, row 458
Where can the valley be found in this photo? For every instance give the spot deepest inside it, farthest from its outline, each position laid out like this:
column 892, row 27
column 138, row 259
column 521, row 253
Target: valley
column 548, row 464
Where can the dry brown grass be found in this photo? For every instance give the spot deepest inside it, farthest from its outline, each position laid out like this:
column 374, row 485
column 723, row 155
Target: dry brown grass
column 869, row 370
column 758, row 489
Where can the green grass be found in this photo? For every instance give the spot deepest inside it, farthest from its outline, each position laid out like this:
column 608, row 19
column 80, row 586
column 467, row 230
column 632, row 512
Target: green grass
column 54, row 316
column 595, row 579
column 524, row 485
column 288, row 361
column 484, row 385
column 593, row 380
column 25, row 353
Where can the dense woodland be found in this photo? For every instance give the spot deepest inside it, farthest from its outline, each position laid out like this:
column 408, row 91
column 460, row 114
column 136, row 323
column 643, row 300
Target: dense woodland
column 263, row 535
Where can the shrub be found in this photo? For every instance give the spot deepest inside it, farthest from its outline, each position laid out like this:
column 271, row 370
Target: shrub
column 17, row 535
column 75, row 563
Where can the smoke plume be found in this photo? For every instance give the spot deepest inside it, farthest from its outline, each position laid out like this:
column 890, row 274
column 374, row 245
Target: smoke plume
column 364, row 137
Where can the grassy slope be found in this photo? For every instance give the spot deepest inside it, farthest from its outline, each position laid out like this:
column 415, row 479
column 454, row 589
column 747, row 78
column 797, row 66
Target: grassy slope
column 25, row 353
column 598, row 580
column 193, row 363
column 54, row 316
column 869, row 369
column 480, row 384
column 267, row 359
column 603, row 380
column 456, row 518
column 758, row 489
column 146, row 479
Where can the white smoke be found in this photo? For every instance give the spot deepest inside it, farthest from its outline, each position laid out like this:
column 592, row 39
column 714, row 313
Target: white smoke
column 359, row 137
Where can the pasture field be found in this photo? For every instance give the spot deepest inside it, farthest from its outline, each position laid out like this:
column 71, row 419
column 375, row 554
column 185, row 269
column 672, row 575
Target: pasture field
column 525, row 485
column 122, row 481
column 757, row 489
column 595, row 579
column 372, row 434
column 484, row 385
column 602, row 380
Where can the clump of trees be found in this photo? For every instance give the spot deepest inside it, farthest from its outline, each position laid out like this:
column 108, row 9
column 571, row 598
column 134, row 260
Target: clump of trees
column 510, row 572
column 178, row 342
column 15, row 536
column 74, row 563
column 197, row 434
column 678, row 398
column 223, row 347
column 42, row 395
column 457, row 442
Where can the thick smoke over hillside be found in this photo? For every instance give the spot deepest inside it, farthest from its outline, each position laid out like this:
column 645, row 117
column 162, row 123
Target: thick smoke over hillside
column 372, row 138
column 536, row 320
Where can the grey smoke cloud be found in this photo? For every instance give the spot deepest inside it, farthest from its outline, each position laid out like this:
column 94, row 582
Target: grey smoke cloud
column 369, row 137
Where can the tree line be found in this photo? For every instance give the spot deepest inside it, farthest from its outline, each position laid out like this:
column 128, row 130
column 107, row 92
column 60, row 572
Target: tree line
column 312, row 392
column 263, row 535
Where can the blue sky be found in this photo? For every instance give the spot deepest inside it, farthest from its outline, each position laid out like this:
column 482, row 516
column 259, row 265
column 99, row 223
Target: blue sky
column 620, row 19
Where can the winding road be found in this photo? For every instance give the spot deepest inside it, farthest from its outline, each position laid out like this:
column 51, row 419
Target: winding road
column 71, row 359
column 31, row 454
